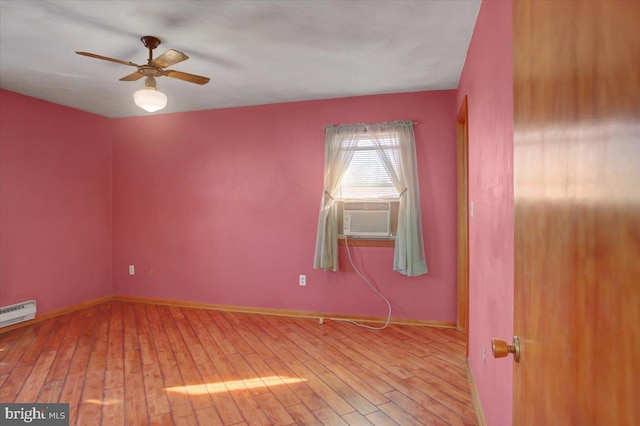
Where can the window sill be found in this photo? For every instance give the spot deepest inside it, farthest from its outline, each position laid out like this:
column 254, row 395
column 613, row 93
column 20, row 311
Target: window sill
column 367, row 242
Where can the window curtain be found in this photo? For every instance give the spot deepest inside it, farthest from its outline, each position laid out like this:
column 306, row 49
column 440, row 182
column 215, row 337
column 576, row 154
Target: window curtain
column 409, row 258
column 338, row 151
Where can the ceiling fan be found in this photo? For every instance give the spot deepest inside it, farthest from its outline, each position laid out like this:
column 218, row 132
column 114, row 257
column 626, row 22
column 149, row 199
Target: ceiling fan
column 152, row 69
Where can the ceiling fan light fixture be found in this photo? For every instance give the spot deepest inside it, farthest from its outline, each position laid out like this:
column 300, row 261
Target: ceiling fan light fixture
column 150, row 99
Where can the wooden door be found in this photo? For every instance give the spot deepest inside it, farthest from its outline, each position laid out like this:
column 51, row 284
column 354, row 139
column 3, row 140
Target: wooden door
column 577, row 212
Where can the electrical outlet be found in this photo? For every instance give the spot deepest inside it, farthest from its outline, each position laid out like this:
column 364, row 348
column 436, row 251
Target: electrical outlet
column 302, row 280
column 132, row 270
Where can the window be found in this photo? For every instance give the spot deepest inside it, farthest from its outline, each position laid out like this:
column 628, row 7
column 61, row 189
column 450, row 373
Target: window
column 366, row 178
column 371, row 162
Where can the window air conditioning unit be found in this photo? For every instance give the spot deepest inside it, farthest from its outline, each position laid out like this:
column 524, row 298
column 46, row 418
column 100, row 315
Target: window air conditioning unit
column 366, row 218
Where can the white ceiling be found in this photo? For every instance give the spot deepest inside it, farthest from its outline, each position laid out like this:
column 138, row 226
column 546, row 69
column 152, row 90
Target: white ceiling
column 256, row 52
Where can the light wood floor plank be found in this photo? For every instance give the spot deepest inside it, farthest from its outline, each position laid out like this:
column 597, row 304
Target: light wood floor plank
column 183, row 415
column 415, row 409
column 399, row 415
column 331, row 397
column 50, row 391
column 360, row 385
column 444, row 370
column 303, row 416
column 381, row 419
column 157, row 401
column 272, row 381
column 209, row 416
column 307, row 395
column 356, row 419
column 249, row 407
column 329, row 417
column 464, row 410
column 355, row 399
column 113, row 408
column 275, row 412
column 452, row 388
column 71, row 392
column 35, row 380
column 420, row 396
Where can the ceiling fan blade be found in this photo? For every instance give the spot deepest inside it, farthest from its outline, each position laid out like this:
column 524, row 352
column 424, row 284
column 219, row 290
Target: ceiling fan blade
column 168, row 58
column 191, row 78
column 132, row 77
column 104, row 58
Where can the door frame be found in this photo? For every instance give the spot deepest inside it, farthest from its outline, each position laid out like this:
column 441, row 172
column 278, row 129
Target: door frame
column 462, row 161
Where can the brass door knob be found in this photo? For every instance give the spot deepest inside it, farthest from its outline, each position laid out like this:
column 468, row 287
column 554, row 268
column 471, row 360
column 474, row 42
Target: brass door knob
column 500, row 348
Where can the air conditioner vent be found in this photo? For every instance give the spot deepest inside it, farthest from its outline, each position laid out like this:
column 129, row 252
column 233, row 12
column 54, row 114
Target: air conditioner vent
column 366, row 218
column 19, row 312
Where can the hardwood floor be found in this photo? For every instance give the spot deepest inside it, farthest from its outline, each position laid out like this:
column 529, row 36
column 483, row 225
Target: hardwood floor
column 120, row 363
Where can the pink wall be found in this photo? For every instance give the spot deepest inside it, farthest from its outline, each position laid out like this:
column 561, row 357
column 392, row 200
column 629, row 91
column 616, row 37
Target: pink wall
column 487, row 80
column 221, row 207
column 55, row 199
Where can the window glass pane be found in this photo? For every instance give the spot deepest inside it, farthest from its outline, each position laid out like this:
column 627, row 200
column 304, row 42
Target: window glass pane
column 366, row 176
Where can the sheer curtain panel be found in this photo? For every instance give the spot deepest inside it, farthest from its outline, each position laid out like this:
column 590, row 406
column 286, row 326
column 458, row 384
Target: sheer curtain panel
column 338, row 151
column 408, row 257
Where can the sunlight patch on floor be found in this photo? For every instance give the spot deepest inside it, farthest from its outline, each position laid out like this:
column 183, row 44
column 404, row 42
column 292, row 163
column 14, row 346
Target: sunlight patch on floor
column 231, row 385
column 103, row 402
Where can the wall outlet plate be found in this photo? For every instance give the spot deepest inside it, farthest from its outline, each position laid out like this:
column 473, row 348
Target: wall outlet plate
column 302, row 280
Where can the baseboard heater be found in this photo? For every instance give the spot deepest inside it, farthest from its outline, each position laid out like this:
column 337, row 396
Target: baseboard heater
column 13, row 314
